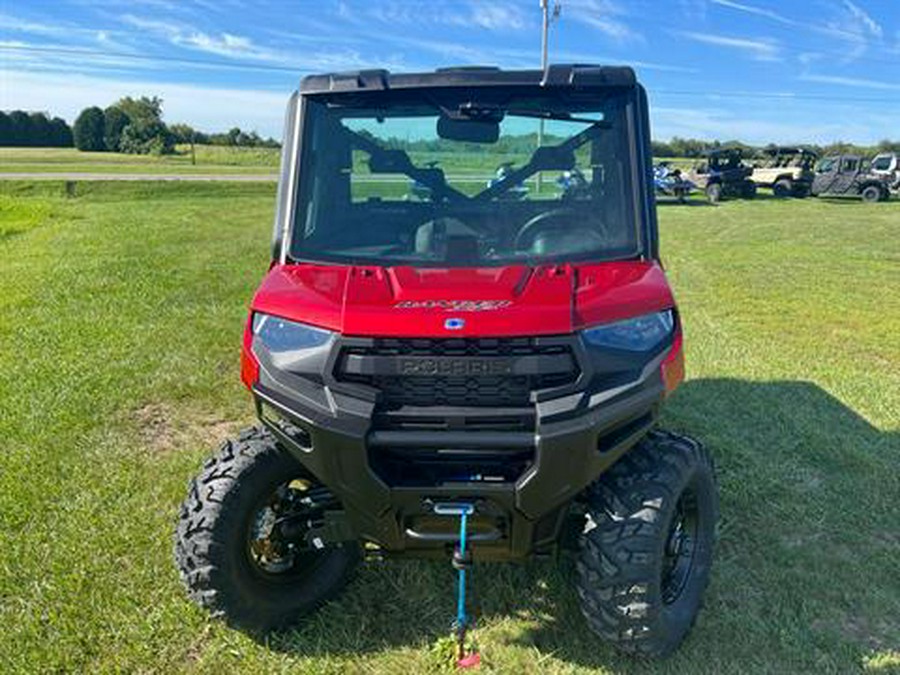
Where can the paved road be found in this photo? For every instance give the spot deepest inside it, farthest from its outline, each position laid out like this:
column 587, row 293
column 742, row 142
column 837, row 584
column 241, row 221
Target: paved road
column 22, row 175
column 91, row 175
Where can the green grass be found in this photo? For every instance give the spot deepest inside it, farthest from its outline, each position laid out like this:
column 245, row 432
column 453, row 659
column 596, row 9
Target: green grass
column 210, row 159
column 216, row 159
column 121, row 312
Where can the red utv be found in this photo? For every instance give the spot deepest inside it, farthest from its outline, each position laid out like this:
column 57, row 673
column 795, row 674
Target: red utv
column 461, row 375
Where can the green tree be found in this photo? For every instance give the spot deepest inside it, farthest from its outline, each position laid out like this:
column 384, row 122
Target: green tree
column 235, row 136
column 20, row 127
column 661, row 149
column 39, row 132
column 5, row 129
column 143, row 111
column 115, row 121
column 89, row 129
column 152, row 139
column 145, row 132
column 60, row 133
column 36, row 129
column 183, row 133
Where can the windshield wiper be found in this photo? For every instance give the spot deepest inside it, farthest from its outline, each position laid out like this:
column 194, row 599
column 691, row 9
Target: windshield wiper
column 486, row 112
column 564, row 117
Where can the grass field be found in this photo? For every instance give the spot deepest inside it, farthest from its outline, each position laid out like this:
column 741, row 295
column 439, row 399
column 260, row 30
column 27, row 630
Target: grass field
column 211, row 159
column 121, row 312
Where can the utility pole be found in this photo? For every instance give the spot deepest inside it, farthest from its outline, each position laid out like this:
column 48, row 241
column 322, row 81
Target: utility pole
column 546, row 19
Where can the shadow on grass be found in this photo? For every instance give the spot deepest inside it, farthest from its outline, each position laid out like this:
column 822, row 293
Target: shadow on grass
column 672, row 201
column 807, row 542
column 850, row 199
column 7, row 234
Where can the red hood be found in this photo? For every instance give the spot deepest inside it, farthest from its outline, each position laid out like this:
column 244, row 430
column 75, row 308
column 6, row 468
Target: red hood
column 491, row 301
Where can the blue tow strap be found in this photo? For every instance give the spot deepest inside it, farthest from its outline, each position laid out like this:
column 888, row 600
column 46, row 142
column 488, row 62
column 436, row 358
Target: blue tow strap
column 463, row 510
column 461, row 561
column 461, row 618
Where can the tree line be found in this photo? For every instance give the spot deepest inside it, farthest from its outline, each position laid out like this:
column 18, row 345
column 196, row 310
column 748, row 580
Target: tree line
column 135, row 126
column 524, row 144
column 695, row 147
column 33, row 129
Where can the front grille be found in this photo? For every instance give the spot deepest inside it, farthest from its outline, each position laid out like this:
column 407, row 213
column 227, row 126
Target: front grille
column 453, row 410
column 453, row 391
column 465, row 390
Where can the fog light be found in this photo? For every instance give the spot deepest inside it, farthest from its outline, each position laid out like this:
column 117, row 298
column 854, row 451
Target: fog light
column 300, row 436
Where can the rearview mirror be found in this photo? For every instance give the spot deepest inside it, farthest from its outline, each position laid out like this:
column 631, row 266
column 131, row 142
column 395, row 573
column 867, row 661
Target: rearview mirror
column 470, row 131
column 550, row 158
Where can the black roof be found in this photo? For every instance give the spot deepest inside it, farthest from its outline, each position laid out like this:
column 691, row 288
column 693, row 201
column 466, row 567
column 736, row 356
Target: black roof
column 788, row 150
column 729, row 150
column 556, row 75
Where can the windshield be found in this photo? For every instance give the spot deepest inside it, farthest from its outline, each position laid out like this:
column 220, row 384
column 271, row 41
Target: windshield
column 882, row 163
column 416, row 181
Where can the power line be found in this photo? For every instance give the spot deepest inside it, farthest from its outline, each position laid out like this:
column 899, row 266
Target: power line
column 299, row 71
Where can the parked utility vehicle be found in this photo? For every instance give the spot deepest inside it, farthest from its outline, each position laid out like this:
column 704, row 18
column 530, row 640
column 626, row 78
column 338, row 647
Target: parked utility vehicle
column 723, row 174
column 787, row 170
column 887, row 164
column 849, row 176
column 414, row 362
column 669, row 182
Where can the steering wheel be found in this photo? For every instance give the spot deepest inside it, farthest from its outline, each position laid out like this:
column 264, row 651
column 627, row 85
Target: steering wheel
column 547, row 220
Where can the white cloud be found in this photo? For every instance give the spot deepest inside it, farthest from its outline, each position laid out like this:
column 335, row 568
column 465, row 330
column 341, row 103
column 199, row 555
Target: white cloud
column 852, row 25
column 761, row 49
column 242, row 48
column 58, row 29
column 609, row 60
column 849, row 23
column 605, row 16
column 864, row 19
column 808, row 58
column 224, row 44
column 58, row 57
column 759, row 11
column 8, row 22
column 496, row 16
column 709, row 122
column 852, row 82
column 487, row 14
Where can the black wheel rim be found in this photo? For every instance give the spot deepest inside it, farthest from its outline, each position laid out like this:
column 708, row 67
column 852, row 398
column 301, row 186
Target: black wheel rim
column 680, row 548
column 276, row 548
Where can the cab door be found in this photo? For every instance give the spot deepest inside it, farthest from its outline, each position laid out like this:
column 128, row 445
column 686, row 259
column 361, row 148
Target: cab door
column 826, row 175
column 846, row 176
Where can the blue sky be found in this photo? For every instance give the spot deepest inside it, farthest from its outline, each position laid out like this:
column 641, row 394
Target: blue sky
column 758, row 70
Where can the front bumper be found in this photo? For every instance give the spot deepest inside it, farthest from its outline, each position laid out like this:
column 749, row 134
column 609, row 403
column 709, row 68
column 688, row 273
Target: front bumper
column 577, row 433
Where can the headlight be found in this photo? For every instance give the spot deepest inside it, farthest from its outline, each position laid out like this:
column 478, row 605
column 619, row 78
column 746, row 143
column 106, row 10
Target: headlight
column 640, row 334
column 280, row 335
